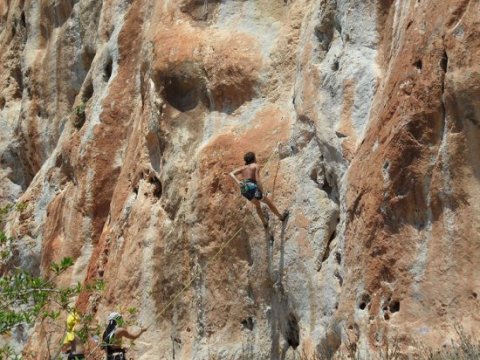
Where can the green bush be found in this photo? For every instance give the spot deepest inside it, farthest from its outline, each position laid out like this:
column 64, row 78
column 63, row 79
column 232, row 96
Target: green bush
column 79, row 115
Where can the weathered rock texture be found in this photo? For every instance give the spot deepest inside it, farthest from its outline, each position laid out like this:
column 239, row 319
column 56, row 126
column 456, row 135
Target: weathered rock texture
column 365, row 113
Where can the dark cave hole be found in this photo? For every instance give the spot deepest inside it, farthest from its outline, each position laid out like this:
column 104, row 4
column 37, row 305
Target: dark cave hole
column 475, row 295
column 418, row 64
column 87, row 92
column 293, row 331
column 444, row 61
column 248, row 323
column 364, row 301
column 335, row 65
column 107, row 69
column 327, row 188
column 183, row 92
column 395, row 306
column 183, row 86
column 157, row 191
column 338, row 258
column 330, row 187
column 339, row 277
column 22, row 19
column 2, row 102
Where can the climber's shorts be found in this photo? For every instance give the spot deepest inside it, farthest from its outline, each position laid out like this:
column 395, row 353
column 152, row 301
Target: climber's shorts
column 250, row 190
column 75, row 356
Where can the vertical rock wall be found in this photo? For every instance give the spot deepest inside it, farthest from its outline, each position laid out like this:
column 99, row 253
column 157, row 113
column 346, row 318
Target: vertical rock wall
column 120, row 120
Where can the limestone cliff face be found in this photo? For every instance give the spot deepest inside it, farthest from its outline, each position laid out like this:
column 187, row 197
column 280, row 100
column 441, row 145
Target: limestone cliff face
column 120, row 120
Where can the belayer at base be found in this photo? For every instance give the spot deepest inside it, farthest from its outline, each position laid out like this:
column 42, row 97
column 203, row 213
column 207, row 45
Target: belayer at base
column 113, row 334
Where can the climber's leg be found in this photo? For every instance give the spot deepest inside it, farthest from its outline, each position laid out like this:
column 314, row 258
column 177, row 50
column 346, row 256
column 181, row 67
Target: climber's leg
column 260, row 212
column 274, row 209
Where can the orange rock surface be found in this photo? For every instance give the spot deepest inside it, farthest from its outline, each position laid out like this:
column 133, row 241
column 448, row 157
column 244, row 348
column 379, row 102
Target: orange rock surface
column 120, row 121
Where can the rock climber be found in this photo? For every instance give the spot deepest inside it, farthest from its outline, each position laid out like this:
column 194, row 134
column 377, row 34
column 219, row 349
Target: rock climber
column 251, row 187
column 113, row 334
column 72, row 344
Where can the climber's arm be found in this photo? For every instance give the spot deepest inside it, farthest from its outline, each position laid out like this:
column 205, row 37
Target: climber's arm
column 129, row 334
column 234, row 174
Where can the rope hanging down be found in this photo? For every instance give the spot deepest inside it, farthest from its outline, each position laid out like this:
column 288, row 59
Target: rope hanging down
column 274, row 151
column 174, row 299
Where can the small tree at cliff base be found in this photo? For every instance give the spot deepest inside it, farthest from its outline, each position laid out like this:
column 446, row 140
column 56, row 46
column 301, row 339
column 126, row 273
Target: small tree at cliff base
column 25, row 298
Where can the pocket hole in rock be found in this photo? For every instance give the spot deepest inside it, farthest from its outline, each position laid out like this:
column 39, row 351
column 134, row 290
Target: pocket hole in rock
column 444, row 61
column 157, row 192
column 184, row 87
column 418, row 64
column 394, row 306
column 248, row 323
column 338, row 258
column 293, row 331
column 339, row 277
column 107, row 69
column 335, row 65
column 364, row 301
column 87, row 92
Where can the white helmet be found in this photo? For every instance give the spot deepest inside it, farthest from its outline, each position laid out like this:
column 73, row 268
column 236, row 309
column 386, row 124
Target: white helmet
column 114, row 316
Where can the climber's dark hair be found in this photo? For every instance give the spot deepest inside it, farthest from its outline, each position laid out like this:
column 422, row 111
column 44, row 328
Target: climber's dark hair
column 249, row 158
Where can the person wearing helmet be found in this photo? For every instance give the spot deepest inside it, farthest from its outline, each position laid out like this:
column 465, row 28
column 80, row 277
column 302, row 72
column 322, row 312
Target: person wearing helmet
column 113, row 335
column 72, row 343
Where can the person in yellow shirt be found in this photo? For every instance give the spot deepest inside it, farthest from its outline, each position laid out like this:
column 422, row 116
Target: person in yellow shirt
column 72, row 343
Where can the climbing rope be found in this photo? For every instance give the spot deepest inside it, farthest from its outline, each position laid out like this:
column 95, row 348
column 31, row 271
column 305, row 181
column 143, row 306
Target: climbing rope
column 274, row 151
column 212, row 259
column 174, row 299
column 275, row 179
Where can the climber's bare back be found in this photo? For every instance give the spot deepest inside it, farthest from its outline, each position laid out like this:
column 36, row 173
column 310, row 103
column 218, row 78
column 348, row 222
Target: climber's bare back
column 249, row 172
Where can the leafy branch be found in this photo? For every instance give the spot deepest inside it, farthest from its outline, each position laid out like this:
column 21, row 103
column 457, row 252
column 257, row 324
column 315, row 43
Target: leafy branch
column 24, row 298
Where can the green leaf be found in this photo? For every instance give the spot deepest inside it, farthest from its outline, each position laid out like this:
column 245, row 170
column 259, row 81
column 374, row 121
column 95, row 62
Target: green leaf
column 66, row 263
column 3, row 238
